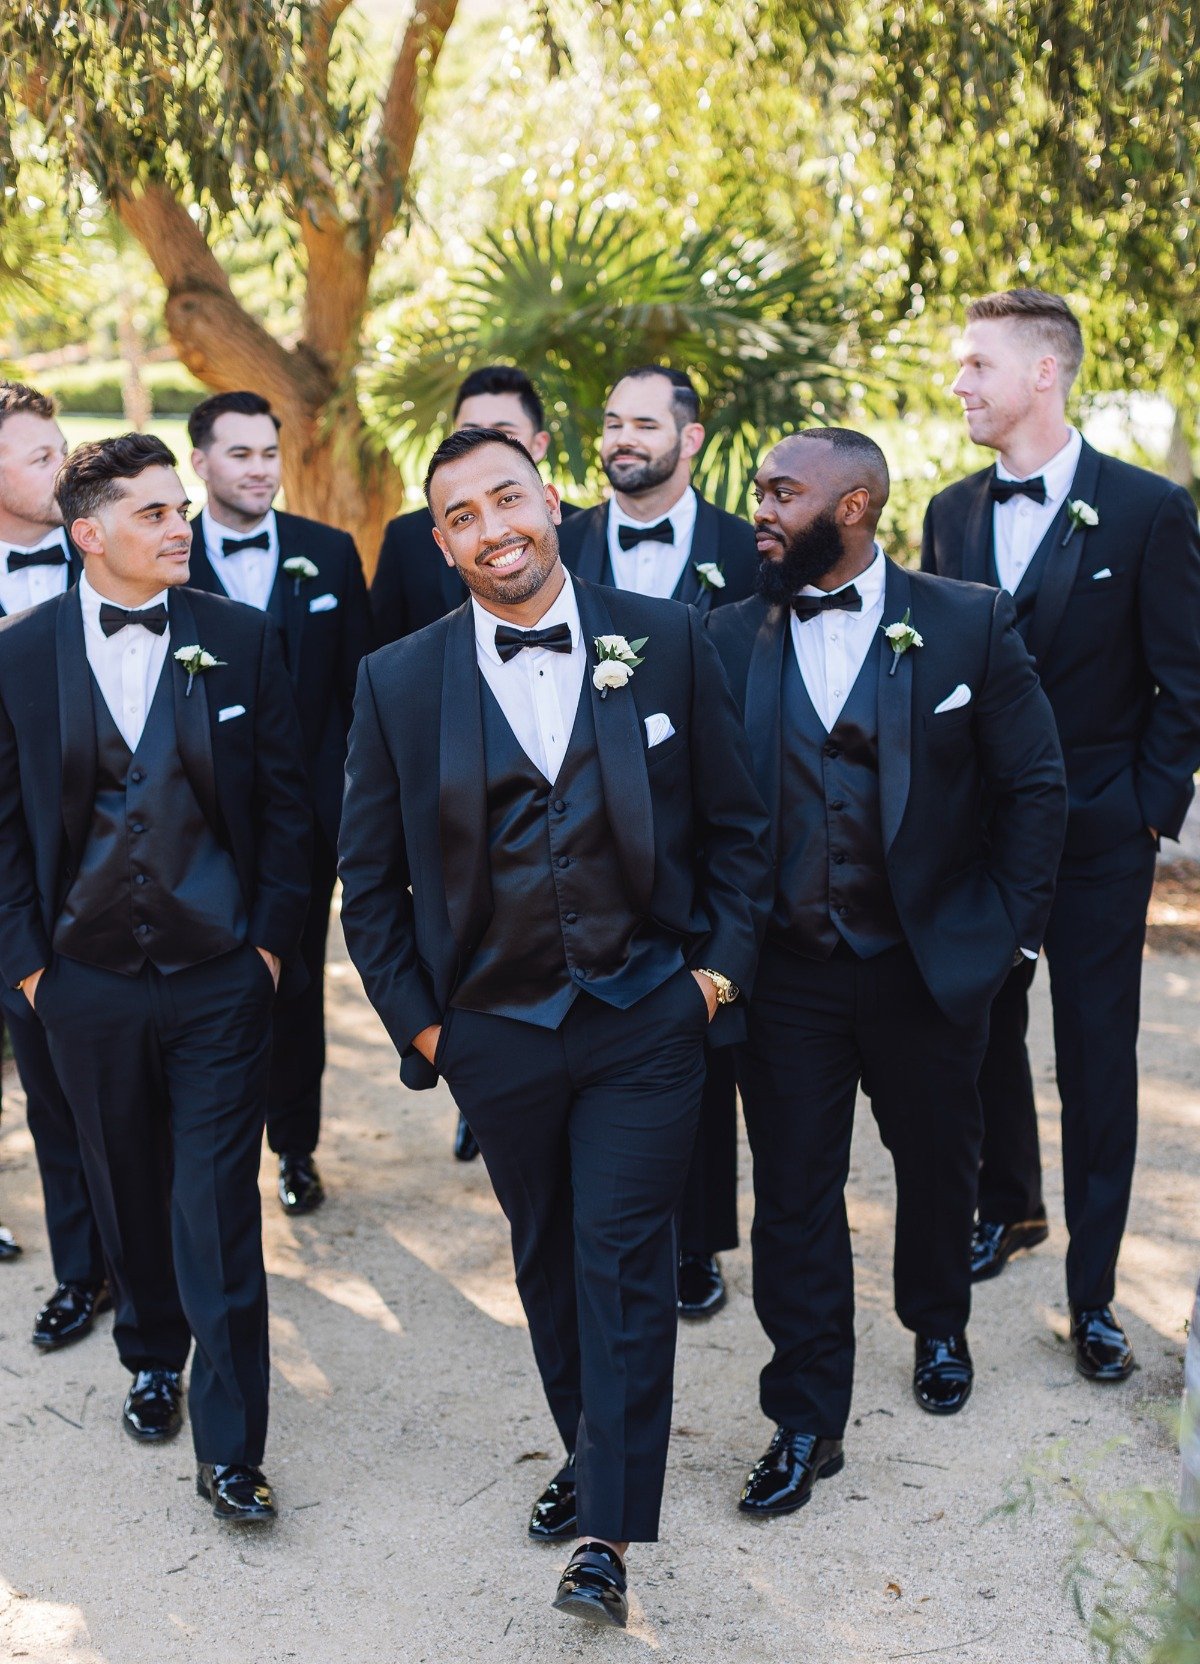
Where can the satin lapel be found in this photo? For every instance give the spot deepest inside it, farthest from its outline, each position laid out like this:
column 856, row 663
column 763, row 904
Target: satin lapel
column 592, row 565
column 621, row 751
column 193, row 726
column 288, row 601
column 202, row 570
column 462, row 786
column 76, row 724
column 74, row 562
column 1062, row 561
column 895, row 709
column 705, row 537
column 978, row 565
column 764, row 695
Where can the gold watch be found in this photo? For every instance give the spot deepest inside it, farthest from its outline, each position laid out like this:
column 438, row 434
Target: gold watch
column 727, row 991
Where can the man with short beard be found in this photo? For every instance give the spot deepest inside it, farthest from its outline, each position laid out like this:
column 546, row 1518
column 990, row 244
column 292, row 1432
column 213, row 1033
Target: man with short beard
column 882, row 706
column 657, row 535
column 554, row 876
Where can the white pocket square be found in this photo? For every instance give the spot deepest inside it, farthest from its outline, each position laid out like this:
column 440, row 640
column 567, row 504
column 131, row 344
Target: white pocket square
column 228, row 712
column 658, row 729
column 1104, row 572
column 322, row 603
column 954, row 701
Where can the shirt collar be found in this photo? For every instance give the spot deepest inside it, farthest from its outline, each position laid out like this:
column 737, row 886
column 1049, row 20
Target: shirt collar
column 91, row 601
column 1056, row 474
column 681, row 514
column 565, row 610
column 215, row 534
column 869, row 584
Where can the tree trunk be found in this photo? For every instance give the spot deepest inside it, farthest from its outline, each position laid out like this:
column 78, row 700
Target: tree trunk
column 1178, row 464
column 135, row 395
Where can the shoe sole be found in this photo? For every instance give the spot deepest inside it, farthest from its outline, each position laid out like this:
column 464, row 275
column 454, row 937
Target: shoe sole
column 700, row 1314
column 1031, row 1242
column 151, row 1438
column 299, row 1209
column 564, row 1534
column 589, row 1611
column 56, row 1343
column 833, row 1466
column 943, row 1409
column 1103, row 1378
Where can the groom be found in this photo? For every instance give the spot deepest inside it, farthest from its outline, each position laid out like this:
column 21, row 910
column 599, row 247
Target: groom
column 554, row 874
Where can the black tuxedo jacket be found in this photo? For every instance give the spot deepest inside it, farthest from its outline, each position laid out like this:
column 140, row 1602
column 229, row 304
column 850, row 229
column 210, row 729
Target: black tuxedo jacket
column 416, row 810
column 74, row 568
column 413, row 586
column 247, row 770
column 969, row 890
column 722, row 538
column 322, row 649
column 1115, row 633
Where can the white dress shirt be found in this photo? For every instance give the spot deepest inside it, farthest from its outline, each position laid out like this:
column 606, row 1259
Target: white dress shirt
column 21, row 590
column 831, row 648
column 537, row 690
column 126, row 665
column 250, row 575
column 1020, row 524
column 652, row 568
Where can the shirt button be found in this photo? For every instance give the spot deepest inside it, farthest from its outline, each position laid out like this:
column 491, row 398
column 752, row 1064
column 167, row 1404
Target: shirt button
column 143, row 930
column 581, row 975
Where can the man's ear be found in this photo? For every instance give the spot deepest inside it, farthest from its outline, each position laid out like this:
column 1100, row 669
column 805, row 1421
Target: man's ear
column 87, row 536
column 691, row 438
column 554, row 504
column 441, row 543
column 199, row 464
column 854, row 505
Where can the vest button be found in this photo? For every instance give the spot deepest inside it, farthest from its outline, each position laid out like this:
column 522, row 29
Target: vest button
column 832, row 750
column 563, row 861
column 137, row 775
column 839, row 860
column 140, row 879
column 570, row 918
column 837, row 804
column 138, row 827
column 143, row 930
column 581, row 975
column 842, row 911
column 559, row 806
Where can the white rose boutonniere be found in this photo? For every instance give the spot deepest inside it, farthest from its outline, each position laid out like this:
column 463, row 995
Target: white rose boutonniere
column 617, row 659
column 710, row 574
column 195, row 660
column 1079, row 514
column 301, row 570
column 901, row 636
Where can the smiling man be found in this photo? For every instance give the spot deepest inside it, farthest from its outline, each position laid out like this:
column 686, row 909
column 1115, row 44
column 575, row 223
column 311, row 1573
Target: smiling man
column 154, row 847
column 554, row 877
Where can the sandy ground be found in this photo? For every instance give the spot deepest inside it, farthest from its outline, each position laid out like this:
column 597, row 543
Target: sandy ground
column 409, row 1436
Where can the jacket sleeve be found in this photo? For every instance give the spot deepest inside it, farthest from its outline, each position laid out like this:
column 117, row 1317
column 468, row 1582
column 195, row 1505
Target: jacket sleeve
column 282, row 809
column 24, row 946
column 1023, row 772
column 377, row 906
column 1169, row 608
column 736, row 883
column 928, row 550
column 389, row 604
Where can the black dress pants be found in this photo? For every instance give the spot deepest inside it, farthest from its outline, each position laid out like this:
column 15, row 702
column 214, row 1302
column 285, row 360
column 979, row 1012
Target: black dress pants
column 167, row 1078
column 708, row 1220
column 298, row 1051
column 816, row 1028
column 1093, row 946
column 74, row 1239
column 587, row 1131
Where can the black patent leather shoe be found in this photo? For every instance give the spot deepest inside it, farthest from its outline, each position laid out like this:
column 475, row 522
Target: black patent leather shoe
column 239, row 1494
column 993, row 1245
column 69, row 1314
column 943, row 1374
column 300, row 1187
column 10, row 1248
column 783, row 1477
column 153, row 1411
column 553, row 1516
column 593, row 1586
column 1102, row 1349
column 701, row 1286
column 465, row 1147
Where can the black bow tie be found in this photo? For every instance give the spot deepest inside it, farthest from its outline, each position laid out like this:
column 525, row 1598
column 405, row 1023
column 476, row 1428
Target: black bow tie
column 113, row 618
column 235, row 545
column 19, row 559
column 1002, row 490
column 509, row 642
column 630, row 536
column 842, row 600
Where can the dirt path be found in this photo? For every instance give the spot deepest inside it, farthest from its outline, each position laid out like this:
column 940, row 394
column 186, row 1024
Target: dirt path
column 409, row 1435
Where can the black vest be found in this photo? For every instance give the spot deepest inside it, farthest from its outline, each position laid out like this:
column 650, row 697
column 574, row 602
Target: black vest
column 1026, row 593
column 561, row 923
column 154, row 884
column 833, row 884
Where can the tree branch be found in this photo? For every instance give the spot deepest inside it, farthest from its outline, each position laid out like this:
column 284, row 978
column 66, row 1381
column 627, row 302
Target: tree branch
column 403, row 106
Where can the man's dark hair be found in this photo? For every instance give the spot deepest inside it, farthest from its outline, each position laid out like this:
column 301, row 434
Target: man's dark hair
column 92, row 474
column 463, row 441
column 1046, row 319
column 685, row 401
column 16, row 399
column 503, row 378
column 203, row 419
column 856, row 447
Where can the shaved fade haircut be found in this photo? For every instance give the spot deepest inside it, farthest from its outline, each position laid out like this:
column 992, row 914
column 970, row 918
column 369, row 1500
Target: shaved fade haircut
column 463, row 441
column 1045, row 319
column 861, row 459
column 94, row 474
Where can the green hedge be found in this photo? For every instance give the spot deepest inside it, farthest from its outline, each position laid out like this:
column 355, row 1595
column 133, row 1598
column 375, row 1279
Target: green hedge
column 95, row 389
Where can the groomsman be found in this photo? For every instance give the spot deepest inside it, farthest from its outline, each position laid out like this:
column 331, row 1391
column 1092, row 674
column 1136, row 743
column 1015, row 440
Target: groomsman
column 656, row 535
column 414, row 583
column 37, row 563
column 554, row 873
column 308, row 577
column 882, row 707
column 154, row 845
column 1103, row 562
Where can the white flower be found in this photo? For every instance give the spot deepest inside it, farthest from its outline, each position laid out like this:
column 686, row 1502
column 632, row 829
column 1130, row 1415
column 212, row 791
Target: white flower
column 611, row 673
column 902, row 636
column 194, row 659
column 613, row 647
column 299, row 567
column 710, row 573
